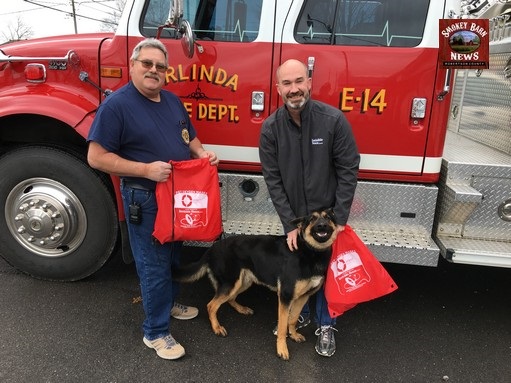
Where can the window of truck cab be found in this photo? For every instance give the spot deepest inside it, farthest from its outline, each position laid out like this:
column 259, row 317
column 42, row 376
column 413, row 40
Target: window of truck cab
column 392, row 23
column 214, row 20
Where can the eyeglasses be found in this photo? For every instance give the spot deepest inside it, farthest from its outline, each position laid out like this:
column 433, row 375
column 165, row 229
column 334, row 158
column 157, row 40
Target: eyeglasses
column 148, row 64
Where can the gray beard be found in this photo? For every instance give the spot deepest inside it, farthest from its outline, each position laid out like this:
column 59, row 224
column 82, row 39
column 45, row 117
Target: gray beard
column 290, row 105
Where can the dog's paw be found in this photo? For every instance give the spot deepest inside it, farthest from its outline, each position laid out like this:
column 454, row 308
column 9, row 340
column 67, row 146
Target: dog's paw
column 220, row 331
column 283, row 354
column 241, row 309
column 282, row 350
column 245, row 310
column 297, row 337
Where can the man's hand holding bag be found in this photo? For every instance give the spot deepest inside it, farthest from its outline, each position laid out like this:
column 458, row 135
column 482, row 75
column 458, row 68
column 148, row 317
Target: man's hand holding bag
column 189, row 207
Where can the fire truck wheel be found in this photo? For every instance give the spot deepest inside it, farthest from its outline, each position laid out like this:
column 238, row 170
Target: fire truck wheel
column 59, row 221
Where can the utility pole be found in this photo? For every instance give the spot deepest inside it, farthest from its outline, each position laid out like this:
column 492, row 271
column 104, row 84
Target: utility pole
column 74, row 15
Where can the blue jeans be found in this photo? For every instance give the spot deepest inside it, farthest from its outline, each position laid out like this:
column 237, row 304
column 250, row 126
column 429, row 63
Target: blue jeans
column 154, row 263
column 322, row 317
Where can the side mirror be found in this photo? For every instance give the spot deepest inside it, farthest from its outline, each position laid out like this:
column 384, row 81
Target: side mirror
column 187, row 41
column 184, row 31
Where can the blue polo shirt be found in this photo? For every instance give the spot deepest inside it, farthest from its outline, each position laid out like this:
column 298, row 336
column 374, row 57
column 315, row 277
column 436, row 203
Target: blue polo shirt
column 129, row 124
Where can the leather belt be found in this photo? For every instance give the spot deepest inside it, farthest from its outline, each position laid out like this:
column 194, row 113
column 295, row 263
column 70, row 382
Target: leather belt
column 135, row 185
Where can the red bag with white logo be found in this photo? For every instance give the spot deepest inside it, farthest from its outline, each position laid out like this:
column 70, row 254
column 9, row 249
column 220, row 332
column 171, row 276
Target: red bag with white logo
column 354, row 275
column 189, row 207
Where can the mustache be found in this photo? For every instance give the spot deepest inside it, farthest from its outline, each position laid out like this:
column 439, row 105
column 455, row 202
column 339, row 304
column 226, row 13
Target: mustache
column 153, row 76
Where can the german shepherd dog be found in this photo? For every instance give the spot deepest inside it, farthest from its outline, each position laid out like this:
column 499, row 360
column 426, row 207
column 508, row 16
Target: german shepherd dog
column 236, row 262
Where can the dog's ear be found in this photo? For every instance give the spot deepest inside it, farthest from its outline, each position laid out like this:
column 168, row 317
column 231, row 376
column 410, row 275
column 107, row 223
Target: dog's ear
column 331, row 214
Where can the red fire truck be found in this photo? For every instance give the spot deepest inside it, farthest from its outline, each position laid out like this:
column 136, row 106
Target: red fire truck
column 435, row 175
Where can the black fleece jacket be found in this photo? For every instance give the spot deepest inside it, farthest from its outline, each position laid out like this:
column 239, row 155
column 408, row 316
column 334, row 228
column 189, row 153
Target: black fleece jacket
column 310, row 167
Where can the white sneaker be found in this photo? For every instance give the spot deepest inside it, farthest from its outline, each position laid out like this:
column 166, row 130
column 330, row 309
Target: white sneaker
column 183, row 312
column 166, row 347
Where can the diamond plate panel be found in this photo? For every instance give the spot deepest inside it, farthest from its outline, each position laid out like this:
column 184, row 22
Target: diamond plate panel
column 481, row 104
column 400, row 246
column 486, row 170
column 476, row 252
column 394, row 220
column 485, row 221
column 419, row 257
column 255, row 209
column 464, row 158
column 408, row 207
column 481, row 237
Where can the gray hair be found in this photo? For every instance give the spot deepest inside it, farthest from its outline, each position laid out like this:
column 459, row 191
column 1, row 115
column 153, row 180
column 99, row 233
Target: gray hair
column 149, row 43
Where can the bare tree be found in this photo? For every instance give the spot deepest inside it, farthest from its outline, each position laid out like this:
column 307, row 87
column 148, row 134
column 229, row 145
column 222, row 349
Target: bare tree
column 17, row 31
column 110, row 23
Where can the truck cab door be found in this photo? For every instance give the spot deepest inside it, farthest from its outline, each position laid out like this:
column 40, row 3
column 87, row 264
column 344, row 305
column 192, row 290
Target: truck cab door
column 225, row 85
column 376, row 60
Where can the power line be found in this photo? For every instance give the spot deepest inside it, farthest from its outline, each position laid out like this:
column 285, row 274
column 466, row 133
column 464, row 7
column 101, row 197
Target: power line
column 73, row 14
column 101, row 3
column 23, row 11
column 46, row 6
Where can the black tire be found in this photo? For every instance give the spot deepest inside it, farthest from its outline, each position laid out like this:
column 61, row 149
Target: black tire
column 59, row 220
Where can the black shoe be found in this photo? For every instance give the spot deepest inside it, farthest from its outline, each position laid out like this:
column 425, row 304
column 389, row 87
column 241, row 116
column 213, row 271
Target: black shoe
column 303, row 321
column 325, row 345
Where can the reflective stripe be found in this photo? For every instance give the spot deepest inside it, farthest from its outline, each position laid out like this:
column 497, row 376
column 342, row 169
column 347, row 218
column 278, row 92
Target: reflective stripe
column 372, row 162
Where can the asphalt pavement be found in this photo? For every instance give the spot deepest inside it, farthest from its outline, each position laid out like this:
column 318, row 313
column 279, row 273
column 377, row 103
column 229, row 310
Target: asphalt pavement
column 446, row 324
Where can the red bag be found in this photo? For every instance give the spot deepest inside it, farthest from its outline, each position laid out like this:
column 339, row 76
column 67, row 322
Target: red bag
column 189, row 203
column 354, row 275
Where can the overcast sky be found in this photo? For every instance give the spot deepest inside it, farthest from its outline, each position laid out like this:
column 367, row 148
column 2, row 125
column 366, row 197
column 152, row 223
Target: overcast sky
column 48, row 22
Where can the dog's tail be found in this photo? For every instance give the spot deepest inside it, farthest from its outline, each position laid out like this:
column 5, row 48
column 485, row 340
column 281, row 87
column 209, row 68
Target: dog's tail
column 193, row 271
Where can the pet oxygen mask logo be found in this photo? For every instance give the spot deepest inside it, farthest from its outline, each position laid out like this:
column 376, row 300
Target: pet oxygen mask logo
column 191, row 208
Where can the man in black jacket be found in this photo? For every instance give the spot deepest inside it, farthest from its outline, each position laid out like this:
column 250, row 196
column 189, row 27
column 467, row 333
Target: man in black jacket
column 310, row 161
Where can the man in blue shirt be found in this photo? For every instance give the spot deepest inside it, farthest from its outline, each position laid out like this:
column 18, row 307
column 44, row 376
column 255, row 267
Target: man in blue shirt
column 136, row 132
